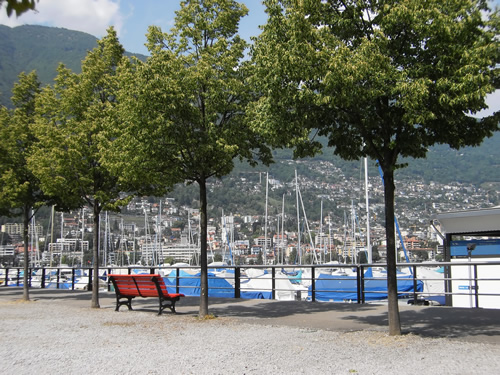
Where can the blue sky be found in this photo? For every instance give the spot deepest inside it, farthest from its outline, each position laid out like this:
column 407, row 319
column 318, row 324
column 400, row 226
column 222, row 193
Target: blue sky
column 131, row 19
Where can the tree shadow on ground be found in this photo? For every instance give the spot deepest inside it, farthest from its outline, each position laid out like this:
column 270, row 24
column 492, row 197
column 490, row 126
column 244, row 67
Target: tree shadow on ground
column 280, row 309
column 441, row 321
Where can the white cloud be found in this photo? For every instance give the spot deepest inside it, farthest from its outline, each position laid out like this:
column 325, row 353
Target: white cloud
column 90, row 16
column 493, row 102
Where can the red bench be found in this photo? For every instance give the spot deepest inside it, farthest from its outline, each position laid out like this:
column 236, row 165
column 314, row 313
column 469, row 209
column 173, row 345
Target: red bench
column 127, row 287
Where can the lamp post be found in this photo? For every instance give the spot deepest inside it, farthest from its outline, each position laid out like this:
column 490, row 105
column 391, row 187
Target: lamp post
column 470, row 247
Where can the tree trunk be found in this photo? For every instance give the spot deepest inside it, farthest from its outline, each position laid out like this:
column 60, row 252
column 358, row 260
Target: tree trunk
column 392, row 283
column 203, row 249
column 26, row 223
column 95, row 258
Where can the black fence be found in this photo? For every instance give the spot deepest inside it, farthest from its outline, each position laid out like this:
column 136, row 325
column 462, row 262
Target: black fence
column 459, row 283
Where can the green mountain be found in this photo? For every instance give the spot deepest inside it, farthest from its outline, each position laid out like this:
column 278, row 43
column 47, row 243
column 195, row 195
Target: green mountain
column 40, row 48
column 473, row 165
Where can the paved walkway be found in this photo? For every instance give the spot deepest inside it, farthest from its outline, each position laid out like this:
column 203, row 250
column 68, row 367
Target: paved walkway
column 477, row 325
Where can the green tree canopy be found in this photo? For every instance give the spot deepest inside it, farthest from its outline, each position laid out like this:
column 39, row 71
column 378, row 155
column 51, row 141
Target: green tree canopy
column 20, row 189
column 382, row 79
column 70, row 124
column 183, row 115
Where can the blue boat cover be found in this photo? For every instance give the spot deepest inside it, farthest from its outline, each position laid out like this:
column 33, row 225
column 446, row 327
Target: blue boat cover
column 189, row 285
column 62, row 285
column 344, row 288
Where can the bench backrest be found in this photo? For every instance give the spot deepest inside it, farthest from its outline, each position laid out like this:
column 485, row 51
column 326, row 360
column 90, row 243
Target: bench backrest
column 139, row 285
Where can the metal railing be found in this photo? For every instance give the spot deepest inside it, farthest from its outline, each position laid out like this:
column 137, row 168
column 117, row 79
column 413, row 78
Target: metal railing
column 463, row 283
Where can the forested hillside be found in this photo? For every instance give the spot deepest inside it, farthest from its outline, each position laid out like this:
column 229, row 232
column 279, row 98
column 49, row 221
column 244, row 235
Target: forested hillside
column 475, row 165
column 40, row 48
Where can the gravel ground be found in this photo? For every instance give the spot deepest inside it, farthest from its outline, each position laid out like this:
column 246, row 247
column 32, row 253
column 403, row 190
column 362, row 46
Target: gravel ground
column 47, row 338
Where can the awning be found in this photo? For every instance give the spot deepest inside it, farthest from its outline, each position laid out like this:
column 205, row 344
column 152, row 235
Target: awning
column 484, row 221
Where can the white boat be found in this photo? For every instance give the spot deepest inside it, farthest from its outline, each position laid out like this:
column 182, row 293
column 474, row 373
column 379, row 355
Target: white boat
column 261, row 280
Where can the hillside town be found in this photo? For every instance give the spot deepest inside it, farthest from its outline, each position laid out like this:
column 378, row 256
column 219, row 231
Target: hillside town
column 163, row 231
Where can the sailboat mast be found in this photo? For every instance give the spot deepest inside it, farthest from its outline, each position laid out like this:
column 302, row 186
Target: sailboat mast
column 265, row 224
column 283, row 230
column 231, row 239
column 106, row 238
column 321, row 249
column 83, row 234
column 353, row 227
column 62, row 236
column 277, row 244
column 133, row 244
column 346, row 229
column 368, row 243
column 298, row 217
column 51, row 234
column 224, row 230
column 330, row 236
column 35, row 251
column 311, row 243
column 32, row 225
column 145, row 246
column 160, row 256
column 122, row 249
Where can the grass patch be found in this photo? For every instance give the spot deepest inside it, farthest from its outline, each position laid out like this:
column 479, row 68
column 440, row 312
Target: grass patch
column 206, row 317
column 119, row 324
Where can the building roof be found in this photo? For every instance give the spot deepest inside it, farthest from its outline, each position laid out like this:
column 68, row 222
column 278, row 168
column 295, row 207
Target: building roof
column 484, row 221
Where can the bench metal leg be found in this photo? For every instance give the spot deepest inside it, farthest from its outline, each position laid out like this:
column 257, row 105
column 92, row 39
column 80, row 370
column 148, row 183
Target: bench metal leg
column 119, row 303
column 167, row 303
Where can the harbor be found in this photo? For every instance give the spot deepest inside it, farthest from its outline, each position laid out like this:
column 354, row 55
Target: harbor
column 469, row 284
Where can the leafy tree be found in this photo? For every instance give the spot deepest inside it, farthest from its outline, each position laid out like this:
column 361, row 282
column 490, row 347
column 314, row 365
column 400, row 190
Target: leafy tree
column 383, row 79
column 169, row 260
column 70, row 125
column 184, row 108
column 292, row 257
column 19, row 6
column 363, row 257
column 260, row 259
column 308, row 259
column 20, row 192
column 5, row 238
column 422, row 256
column 332, row 255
